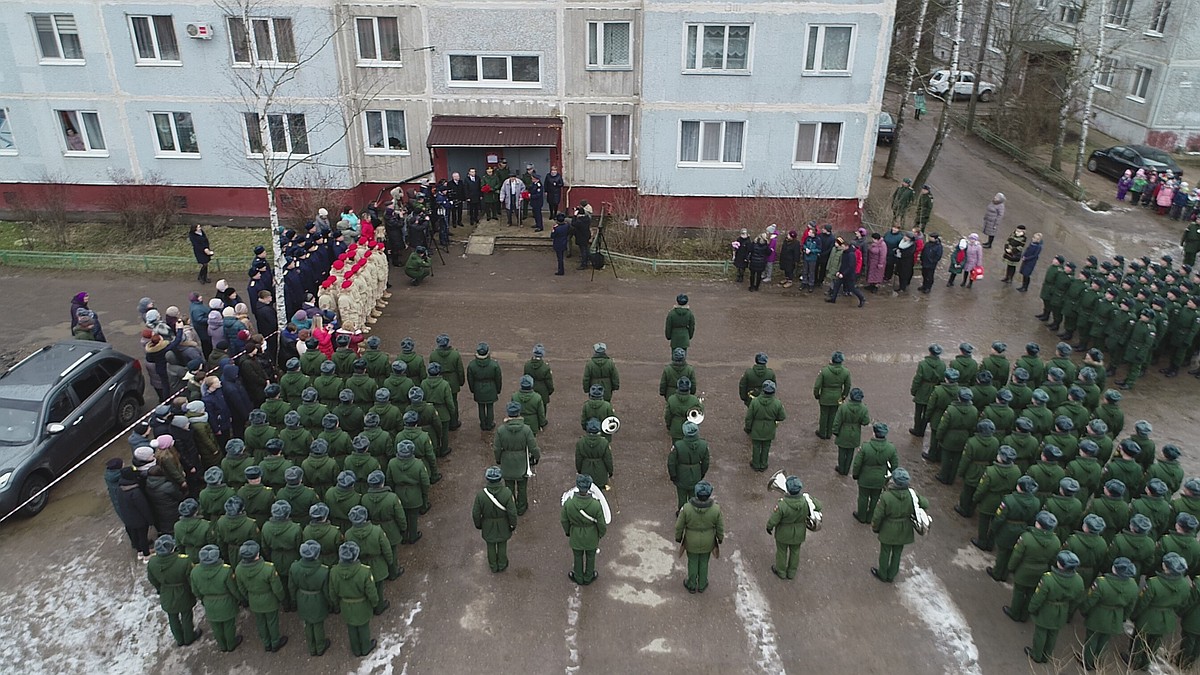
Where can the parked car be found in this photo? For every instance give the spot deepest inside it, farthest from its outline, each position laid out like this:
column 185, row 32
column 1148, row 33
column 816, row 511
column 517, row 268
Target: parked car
column 940, row 83
column 1115, row 161
column 54, row 405
column 886, row 131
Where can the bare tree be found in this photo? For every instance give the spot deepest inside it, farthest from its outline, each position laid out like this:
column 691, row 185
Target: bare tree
column 944, row 120
column 911, row 73
column 1090, row 98
column 983, row 47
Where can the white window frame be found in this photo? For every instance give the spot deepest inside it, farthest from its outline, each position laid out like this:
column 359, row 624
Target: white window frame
column 62, row 59
column 82, row 130
column 1158, row 18
column 379, row 61
column 1142, row 75
column 1068, row 12
column 383, row 121
column 252, row 42
column 265, row 135
column 178, row 152
column 701, row 163
column 595, row 42
column 699, row 68
column 155, row 39
column 1107, row 73
column 6, row 128
column 814, row 163
column 1118, row 15
column 819, row 56
column 480, row 83
column 594, row 118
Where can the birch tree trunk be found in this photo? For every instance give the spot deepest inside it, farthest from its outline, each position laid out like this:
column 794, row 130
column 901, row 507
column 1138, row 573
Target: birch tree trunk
column 1093, row 79
column 983, row 45
column 918, row 32
column 944, row 120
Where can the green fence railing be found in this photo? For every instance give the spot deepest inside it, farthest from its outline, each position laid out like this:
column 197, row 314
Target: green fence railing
column 114, row 262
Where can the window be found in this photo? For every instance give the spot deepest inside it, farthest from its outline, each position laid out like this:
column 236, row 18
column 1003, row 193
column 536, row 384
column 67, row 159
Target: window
column 261, row 41
column 608, row 136
column 60, row 407
column 154, row 39
column 1118, row 13
column 828, row 49
column 717, row 47
column 7, row 145
column 1158, row 18
column 1068, row 13
column 58, row 37
column 711, row 143
column 286, row 132
column 1108, row 72
column 495, row 70
column 1141, row 83
column 609, row 45
column 174, row 133
column 1042, row 4
column 818, row 143
column 385, row 132
column 81, row 132
column 378, row 40
column 89, row 383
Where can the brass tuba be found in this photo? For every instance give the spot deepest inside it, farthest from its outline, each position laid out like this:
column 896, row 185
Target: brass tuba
column 778, row 481
column 610, row 425
column 695, row 416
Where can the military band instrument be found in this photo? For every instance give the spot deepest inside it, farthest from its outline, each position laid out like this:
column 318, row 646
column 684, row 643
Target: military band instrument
column 597, row 494
column 779, row 482
column 695, row 416
column 528, row 466
column 610, row 425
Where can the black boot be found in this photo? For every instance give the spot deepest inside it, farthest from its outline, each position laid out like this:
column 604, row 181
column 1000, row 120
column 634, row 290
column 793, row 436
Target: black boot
column 1172, row 371
column 1066, row 336
column 991, row 238
column 1054, row 326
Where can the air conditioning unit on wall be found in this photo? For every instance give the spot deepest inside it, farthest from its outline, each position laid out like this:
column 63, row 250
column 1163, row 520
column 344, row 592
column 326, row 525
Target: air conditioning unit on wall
column 199, row 31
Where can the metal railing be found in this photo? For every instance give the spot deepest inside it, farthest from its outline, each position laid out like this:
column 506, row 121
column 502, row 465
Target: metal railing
column 115, row 262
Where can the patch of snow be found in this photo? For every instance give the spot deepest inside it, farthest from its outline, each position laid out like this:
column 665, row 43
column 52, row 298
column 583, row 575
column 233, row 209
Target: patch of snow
column 754, row 611
column 927, row 597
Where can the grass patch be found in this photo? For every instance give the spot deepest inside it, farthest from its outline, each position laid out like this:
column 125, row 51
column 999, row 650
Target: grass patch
column 227, row 242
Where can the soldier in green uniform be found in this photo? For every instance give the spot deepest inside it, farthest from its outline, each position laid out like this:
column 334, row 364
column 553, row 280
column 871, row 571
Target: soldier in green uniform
column 274, row 465
column 1096, row 431
column 293, row 382
column 1118, row 332
column 601, row 370
column 215, row 494
column 1033, row 365
column 1022, row 441
column 1048, row 471
column 1039, row 413
column 983, row 392
column 378, row 362
column 902, row 199
column 750, row 385
column 409, row 477
column 343, row 356
column 212, row 582
column 1182, row 540
column 354, row 594
column 312, row 358
column 1014, row 516
column 1110, row 411
column 308, row 583
column 1110, row 505
column 1156, row 613
column 324, row 532
column 930, row 372
column 593, row 457
column 328, row 384
column 1089, row 544
column 1065, row 507
column 427, row 417
column 494, row 513
column 1102, row 312
column 872, row 465
column 893, row 522
column 543, row 377
column 348, row 413
column 1054, row 388
column 384, row 509
column 414, row 362
column 851, row 417
column 1109, row 603
column 1000, row 413
column 1086, row 471
column 1190, row 242
column 978, row 453
column 1058, row 298
column 1124, row 467
column 422, row 443
column 1139, row 348
column 1071, row 301
column 399, row 383
column 997, row 364
column 533, row 410
column 678, row 405
column 998, row 481
column 451, row 365
column 1136, row 543
column 965, row 363
column 1189, row 500
column 388, row 417
column 320, row 470
column 438, row 393
column 1074, row 409
column 681, row 324
column 235, row 462
column 1054, row 600
column 830, row 389
column 1032, row 554
column 1063, row 438
column 956, row 426
column 582, row 520
column 363, row 386
column 341, row 498
column 280, row 544
column 699, row 529
column 191, row 531
column 256, row 496
column 234, row 528
column 942, row 396
column 311, row 411
column 1141, row 436
column 336, row 438
column 762, row 418
column 360, row 462
column 789, row 525
column 259, row 584
column 516, row 451
column 485, row 382
column 687, row 463
column 170, row 573
column 1180, row 341
column 1167, row 468
column 676, row 369
column 1154, row 505
column 1022, row 394
column 375, row 551
column 274, row 405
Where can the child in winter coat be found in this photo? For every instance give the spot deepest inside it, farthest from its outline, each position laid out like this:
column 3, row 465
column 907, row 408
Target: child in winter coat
column 1137, row 187
column 973, row 260
column 1166, row 195
column 1124, row 184
column 1151, row 192
column 741, row 253
column 1179, row 201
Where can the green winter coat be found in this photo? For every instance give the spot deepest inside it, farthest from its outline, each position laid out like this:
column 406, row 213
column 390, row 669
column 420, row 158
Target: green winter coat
column 235, row 470
column 515, row 449
column 1139, row 548
column 543, row 378
column 350, row 417
column 789, row 520
column 1114, row 511
column 1168, row 471
column 1027, row 448
column 681, row 327
column 700, row 526
column 214, row 587
column 956, row 426
column 1013, row 517
column 421, row 439
column 310, row 362
column 1047, row 474
column 276, row 409
column 409, row 478
column 832, row 385
column 1086, row 471
column 1113, row 416
column 1092, row 551
column 1128, row 472
column 930, row 372
column 750, row 386
column 311, row 415
column 381, row 444
column 339, row 443
column 428, row 420
column 452, row 366
column 320, row 472
column 676, row 411
column 258, row 499
column 1109, row 604
column 1159, row 603
column 440, row 393
column 602, row 371
column 281, row 543
column 687, row 463
column 391, row 419
column 582, row 519
column 1183, row 544
column 484, row 379
column 399, row 385
column 363, row 386
column 352, row 589
column 997, row 481
column 340, row 501
column 848, row 422
column 1157, row 509
column 595, row 409
column 300, row 498
column 296, row 443
column 1035, row 366
column 361, row 464
column 999, row 367
column 893, row 516
column 191, row 535
column 940, row 399
column 260, row 585
column 1002, row 416
column 593, row 457
column 232, row 532
column 212, row 500
column 344, row 358
column 873, row 461
column 1032, row 555
column 494, row 523
column 1065, row 442
column 386, row 511
column 415, row 368
column 533, row 409
column 379, row 364
column 273, row 467
column 967, row 368
column 1022, row 396
column 328, row 536
column 170, row 576
column 763, row 416
column 1057, row 595
column 375, row 550
column 978, row 454
column 1069, row 512
column 328, row 387
column 308, row 582
column 668, row 383
column 1042, row 418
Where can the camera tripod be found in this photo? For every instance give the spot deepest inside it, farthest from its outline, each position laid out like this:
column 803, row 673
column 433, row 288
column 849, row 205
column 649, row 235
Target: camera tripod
column 601, row 244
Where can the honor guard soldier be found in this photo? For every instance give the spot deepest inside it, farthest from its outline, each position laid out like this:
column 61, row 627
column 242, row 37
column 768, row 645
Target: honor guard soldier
column 354, row 595
column 847, row 426
column 212, row 582
column 788, row 523
column 169, row 573
column 750, row 385
column 494, row 513
column 1107, row 606
column 409, row 477
column 762, row 418
column 375, row 551
column 601, row 370
column 385, row 510
column 582, row 520
column 699, row 529
column 687, row 463
column 681, row 324
column 831, row 388
column 516, row 451
column 1054, row 599
column 485, row 382
column 930, row 372
column 259, row 584
column 308, row 583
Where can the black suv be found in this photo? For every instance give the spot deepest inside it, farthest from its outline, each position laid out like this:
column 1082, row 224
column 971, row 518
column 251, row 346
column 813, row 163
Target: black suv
column 54, row 405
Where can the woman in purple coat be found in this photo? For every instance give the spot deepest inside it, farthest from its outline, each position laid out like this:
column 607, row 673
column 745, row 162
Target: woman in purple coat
column 974, row 259
column 80, row 302
column 877, row 254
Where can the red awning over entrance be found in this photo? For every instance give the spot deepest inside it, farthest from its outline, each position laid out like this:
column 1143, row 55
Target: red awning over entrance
column 449, row 131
